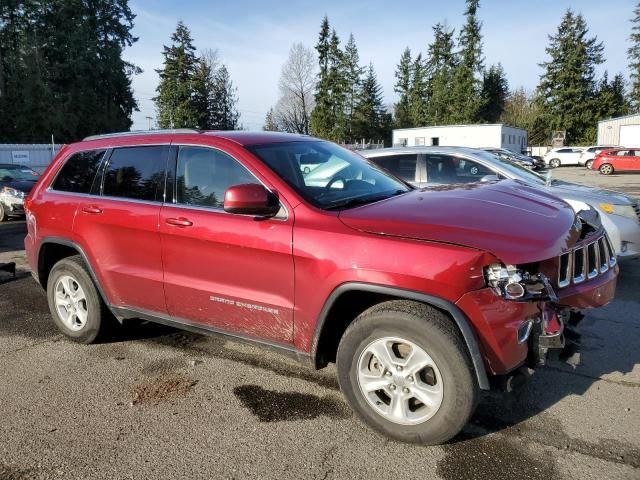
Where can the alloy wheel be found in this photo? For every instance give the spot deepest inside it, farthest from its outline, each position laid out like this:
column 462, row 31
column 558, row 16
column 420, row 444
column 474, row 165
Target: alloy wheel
column 71, row 303
column 606, row 169
column 400, row 381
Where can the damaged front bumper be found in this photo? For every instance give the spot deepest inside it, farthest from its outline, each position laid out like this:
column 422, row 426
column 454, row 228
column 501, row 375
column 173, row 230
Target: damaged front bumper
column 13, row 204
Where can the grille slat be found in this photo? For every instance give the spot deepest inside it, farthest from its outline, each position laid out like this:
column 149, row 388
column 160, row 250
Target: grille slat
column 585, row 262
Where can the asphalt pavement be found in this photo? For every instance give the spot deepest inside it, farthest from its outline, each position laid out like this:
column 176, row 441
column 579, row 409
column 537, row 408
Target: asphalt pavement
column 158, row 403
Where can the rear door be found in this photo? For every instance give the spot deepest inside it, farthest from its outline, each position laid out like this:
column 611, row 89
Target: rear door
column 225, row 271
column 572, row 156
column 631, row 161
column 118, row 228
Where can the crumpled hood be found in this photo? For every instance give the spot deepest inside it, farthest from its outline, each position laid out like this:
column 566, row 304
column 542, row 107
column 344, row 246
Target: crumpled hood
column 517, row 223
column 576, row 191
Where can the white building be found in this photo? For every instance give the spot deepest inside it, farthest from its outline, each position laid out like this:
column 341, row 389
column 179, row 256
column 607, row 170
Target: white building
column 623, row 131
column 495, row 135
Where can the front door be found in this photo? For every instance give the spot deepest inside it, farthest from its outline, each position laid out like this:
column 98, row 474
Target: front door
column 225, row 271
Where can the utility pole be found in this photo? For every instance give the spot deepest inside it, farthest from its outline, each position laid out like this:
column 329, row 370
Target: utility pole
column 149, row 122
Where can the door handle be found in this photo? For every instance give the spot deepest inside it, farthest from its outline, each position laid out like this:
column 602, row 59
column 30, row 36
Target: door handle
column 179, row 222
column 92, row 210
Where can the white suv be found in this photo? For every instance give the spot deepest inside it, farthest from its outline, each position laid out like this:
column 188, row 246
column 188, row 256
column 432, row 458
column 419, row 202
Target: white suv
column 563, row 156
column 590, row 153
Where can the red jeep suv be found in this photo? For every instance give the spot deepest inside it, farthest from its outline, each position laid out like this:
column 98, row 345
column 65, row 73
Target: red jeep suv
column 422, row 297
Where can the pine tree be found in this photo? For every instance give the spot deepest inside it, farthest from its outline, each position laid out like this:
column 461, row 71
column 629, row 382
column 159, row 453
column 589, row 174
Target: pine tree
column 338, row 89
column 567, row 87
column 370, row 119
column 441, row 64
column 418, row 93
column 403, row 87
column 321, row 118
column 495, row 89
column 466, row 88
column 176, row 89
column 270, row 124
column 202, row 80
column 225, row 115
column 633, row 54
column 353, row 80
column 610, row 97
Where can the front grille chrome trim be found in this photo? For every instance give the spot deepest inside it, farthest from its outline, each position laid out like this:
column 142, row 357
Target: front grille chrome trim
column 585, row 262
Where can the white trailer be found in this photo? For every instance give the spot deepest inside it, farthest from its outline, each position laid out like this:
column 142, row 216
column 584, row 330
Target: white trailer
column 495, row 135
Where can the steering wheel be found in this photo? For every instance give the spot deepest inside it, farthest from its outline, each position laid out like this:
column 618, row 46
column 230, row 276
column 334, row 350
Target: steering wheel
column 334, row 180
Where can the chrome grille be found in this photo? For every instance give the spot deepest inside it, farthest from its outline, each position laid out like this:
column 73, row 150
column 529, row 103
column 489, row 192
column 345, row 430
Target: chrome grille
column 585, row 262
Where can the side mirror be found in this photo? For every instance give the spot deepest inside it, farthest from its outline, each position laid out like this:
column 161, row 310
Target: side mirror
column 251, row 199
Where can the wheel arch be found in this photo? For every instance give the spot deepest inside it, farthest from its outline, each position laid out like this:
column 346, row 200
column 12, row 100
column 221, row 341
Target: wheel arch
column 54, row 249
column 376, row 293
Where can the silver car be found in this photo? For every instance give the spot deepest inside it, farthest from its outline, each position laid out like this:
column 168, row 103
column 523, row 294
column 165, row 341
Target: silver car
column 425, row 166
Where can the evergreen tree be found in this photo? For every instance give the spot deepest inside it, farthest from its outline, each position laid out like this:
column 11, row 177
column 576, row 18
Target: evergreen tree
column 465, row 88
column 523, row 111
column 202, row 101
column 495, row 89
column 418, row 93
column 225, row 115
column 371, row 121
column 634, row 59
column 270, row 124
column 353, row 80
column 610, row 98
column 321, row 121
column 403, row 87
column 175, row 100
column 567, row 87
column 338, row 90
column 441, row 64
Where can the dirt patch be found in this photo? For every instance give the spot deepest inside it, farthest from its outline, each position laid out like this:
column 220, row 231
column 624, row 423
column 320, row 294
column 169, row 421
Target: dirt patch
column 488, row 458
column 275, row 406
column 13, row 473
column 163, row 389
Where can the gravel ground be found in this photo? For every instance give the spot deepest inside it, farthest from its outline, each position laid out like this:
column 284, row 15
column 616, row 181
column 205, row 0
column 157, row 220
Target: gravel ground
column 159, row 403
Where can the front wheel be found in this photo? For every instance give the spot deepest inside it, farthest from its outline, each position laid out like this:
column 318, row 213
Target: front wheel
column 606, row 169
column 554, row 163
column 405, row 370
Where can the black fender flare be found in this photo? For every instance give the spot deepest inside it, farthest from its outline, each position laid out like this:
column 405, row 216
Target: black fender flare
column 457, row 315
column 69, row 243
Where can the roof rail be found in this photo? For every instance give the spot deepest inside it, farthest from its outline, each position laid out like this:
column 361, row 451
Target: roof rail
column 142, row 132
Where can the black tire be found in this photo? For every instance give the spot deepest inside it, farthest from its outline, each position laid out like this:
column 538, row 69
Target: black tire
column 606, row 169
column 588, row 164
column 3, row 213
column 554, row 163
column 99, row 317
column 435, row 333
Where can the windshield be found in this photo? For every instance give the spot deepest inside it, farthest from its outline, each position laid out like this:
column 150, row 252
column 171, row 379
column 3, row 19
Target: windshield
column 328, row 176
column 13, row 173
column 514, row 169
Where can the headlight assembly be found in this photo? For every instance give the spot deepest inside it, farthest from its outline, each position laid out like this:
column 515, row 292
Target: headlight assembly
column 513, row 283
column 622, row 210
column 13, row 192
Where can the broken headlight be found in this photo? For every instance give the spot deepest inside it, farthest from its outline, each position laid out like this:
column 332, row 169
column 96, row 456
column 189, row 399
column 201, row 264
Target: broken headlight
column 13, row 192
column 514, row 283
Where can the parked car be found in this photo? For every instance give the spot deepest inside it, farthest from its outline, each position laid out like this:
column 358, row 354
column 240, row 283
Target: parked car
column 16, row 181
column 622, row 160
column 563, row 156
column 518, row 158
column 419, row 296
column 590, row 153
column 424, row 166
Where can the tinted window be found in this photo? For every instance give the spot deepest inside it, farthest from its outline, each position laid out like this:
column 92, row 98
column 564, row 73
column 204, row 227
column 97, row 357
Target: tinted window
column 78, row 172
column 564, row 150
column 446, row 169
column 402, row 166
column 621, row 153
column 204, row 175
column 136, row 173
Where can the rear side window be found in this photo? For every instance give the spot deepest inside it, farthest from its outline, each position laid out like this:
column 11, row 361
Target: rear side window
column 78, row 172
column 402, row 166
column 137, row 173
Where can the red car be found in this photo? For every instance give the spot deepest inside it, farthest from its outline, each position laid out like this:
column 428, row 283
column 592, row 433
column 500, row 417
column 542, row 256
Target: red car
column 421, row 296
column 619, row 160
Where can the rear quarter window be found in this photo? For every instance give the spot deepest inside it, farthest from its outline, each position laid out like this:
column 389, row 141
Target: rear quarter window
column 79, row 172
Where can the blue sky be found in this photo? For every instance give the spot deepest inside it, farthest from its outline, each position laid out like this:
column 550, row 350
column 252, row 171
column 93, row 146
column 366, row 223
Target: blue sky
column 253, row 37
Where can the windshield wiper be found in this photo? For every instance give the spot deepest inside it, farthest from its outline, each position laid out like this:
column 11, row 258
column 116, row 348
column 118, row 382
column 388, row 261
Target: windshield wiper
column 357, row 201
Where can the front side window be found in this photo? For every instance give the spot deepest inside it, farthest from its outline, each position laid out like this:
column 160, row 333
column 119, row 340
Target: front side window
column 342, row 179
column 204, row 175
column 78, row 173
column 402, row 166
column 447, row 169
column 136, row 173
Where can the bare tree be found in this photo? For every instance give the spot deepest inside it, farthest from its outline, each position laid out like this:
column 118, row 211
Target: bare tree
column 292, row 112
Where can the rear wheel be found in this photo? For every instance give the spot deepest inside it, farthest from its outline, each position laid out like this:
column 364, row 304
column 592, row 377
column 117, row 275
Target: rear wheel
column 75, row 304
column 554, row 163
column 404, row 369
column 588, row 164
column 606, row 169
